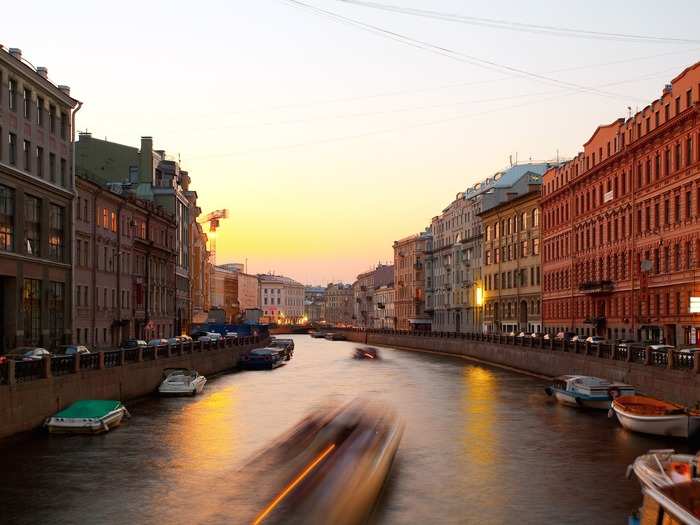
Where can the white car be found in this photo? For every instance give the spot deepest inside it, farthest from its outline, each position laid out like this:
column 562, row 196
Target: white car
column 595, row 339
column 214, row 336
column 231, row 334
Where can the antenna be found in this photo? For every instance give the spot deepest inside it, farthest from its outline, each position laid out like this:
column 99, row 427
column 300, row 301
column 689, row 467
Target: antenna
column 557, row 155
column 510, row 160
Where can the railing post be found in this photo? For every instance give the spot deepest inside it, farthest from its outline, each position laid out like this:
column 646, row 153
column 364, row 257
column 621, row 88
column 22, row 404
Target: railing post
column 101, row 360
column 155, row 353
column 46, row 361
column 12, row 378
column 122, row 357
column 628, row 357
column 76, row 363
column 170, row 351
column 669, row 359
column 696, row 365
column 647, row 356
column 139, row 355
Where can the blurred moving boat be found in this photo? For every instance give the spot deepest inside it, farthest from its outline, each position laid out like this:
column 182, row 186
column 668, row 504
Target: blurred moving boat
column 653, row 416
column 366, row 352
column 587, row 391
column 90, row 416
column 181, row 382
column 660, row 468
column 677, row 504
column 330, row 468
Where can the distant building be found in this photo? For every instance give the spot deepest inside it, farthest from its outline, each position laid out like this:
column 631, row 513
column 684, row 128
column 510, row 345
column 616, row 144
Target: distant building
column 225, row 293
column 409, row 282
column 363, row 292
column 248, row 291
column 281, row 299
column 339, row 304
column 36, row 206
column 384, row 316
column 314, row 303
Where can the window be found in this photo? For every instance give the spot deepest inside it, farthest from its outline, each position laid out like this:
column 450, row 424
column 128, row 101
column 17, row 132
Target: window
column 31, row 305
column 688, row 151
column 27, row 104
column 56, row 232
column 535, row 246
column 40, row 111
column 52, row 169
column 7, row 218
column 678, row 105
column 27, row 149
column 56, row 312
column 64, row 125
column 667, row 113
column 62, row 178
column 52, row 118
column 688, row 98
column 12, row 94
column 113, row 222
column 40, row 161
column 32, row 215
column 105, row 218
column 677, row 157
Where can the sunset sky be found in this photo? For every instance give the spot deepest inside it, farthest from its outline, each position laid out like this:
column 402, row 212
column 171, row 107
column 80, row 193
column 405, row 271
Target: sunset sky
column 328, row 141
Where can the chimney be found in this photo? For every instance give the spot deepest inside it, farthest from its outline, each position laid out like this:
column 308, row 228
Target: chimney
column 667, row 87
column 65, row 89
column 43, row 72
column 16, row 52
column 146, row 160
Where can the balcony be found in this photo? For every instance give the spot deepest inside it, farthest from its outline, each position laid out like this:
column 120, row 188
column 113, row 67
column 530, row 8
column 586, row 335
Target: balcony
column 597, row 287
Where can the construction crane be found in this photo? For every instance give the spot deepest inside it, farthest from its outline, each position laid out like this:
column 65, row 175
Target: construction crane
column 213, row 219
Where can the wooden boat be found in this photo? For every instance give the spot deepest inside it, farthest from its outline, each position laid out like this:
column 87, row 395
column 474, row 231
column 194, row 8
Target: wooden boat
column 660, row 468
column 653, row 416
column 587, row 391
column 677, row 504
column 90, row 416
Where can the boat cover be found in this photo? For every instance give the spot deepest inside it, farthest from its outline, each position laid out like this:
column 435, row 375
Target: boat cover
column 89, row 409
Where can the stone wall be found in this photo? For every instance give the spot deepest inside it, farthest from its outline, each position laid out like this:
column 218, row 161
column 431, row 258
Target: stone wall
column 680, row 386
column 25, row 405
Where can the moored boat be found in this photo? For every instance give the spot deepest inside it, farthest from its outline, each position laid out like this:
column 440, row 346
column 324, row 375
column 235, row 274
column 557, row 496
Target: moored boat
column 587, row 391
column 181, row 382
column 676, row 504
column 90, row 416
column 659, row 468
column 335, row 336
column 647, row 415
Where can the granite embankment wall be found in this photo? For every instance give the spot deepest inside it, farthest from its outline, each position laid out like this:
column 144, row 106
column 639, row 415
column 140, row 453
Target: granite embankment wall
column 674, row 377
column 32, row 392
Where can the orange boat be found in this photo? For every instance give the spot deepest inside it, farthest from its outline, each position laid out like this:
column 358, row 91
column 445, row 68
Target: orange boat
column 654, row 416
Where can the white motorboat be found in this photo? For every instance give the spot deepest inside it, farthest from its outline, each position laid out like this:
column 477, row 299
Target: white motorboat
column 660, row 468
column 92, row 416
column 181, row 382
column 647, row 415
column 587, row 391
column 675, row 504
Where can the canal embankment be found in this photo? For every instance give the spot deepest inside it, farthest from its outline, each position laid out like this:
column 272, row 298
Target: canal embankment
column 30, row 391
column 673, row 376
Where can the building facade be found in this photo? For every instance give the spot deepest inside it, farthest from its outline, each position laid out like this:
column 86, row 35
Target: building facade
column 384, row 315
column 339, row 304
column 363, row 293
column 621, row 242
column 281, row 299
column 36, row 206
column 409, row 282
column 124, row 264
column 314, row 304
column 511, row 265
column 224, row 293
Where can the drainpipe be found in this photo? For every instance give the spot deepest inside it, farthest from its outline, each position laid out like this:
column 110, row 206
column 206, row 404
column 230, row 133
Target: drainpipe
column 73, row 309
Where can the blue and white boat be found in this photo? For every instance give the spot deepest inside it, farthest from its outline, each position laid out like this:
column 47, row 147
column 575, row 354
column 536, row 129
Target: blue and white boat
column 587, row 391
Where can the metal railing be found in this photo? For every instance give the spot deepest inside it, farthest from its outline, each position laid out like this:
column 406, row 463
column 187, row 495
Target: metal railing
column 671, row 359
column 23, row 371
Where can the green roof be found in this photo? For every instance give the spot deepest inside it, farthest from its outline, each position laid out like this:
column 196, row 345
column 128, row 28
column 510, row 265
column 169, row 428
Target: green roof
column 89, row 408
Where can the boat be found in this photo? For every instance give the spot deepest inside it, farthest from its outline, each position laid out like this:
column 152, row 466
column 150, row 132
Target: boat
column 676, row 504
column 263, row 358
column 652, row 416
column 286, row 345
column 366, row 352
column 587, row 391
column 181, row 382
column 335, row 336
column 329, row 468
column 659, row 468
column 318, row 334
column 89, row 416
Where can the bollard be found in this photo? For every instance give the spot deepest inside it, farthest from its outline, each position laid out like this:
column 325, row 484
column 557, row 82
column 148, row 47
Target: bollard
column 101, row 360
column 155, row 353
column 669, row 359
column 46, row 361
column 12, row 378
column 76, row 363
column 628, row 357
column 139, row 355
column 647, row 356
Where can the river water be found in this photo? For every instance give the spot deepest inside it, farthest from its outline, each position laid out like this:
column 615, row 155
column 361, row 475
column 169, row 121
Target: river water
column 481, row 445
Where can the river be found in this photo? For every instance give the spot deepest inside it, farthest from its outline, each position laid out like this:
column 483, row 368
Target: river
column 481, row 445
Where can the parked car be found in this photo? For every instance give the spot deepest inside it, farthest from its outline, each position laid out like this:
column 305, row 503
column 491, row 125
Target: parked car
column 511, row 334
column 214, row 336
column 231, row 334
column 595, row 339
column 688, row 349
column 185, row 338
column 565, row 336
column 201, row 335
column 157, row 342
column 522, row 334
column 134, row 343
column 660, row 348
column 172, row 341
column 28, row 353
column 535, row 335
column 72, row 350
column 577, row 338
